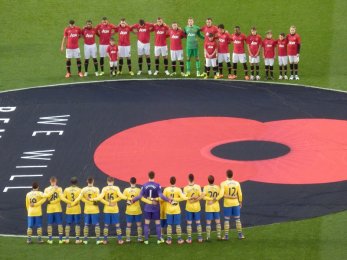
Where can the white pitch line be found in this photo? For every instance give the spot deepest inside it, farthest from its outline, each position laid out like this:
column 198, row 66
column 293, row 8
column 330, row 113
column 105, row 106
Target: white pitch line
column 31, row 166
column 16, row 187
column 25, row 176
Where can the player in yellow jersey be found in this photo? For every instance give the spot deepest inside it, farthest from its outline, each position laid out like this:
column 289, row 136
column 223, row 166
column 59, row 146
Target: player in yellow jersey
column 173, row 210
column 33, row 201
column 109, row 196
column 133, row 212
column 91, row 210
column 231, row 191
column 212, row 207
column 193, row 208
column 54, row 209
column 73, row 213
column 163, row 217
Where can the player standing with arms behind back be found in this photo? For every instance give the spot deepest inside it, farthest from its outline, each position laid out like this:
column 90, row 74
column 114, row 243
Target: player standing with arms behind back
column 231, row 191
column 72, row 34
column 192, row 31
column 239, row 54
column 294, row 45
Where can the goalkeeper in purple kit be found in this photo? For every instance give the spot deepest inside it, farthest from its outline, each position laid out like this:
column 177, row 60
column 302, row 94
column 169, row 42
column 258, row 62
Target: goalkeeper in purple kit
column 152, row 191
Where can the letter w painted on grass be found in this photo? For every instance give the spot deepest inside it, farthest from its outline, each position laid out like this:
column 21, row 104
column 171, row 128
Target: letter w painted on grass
column 38, row 155
column 54, row 120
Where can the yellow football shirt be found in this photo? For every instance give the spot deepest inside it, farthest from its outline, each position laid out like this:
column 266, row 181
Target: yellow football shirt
column 87, row 195
column 53, row 201
column 175, row 194
column 233, row 189
column 192, row 191
column 111, row 194
column 36, row 197
column 211, row 193
column 71, row 193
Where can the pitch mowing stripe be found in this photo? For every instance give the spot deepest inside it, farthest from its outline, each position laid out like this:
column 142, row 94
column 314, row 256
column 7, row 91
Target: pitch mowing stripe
column 178, row 79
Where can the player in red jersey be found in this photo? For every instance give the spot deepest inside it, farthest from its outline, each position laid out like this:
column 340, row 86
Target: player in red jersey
column 123, row 30
column 176, row 48
column 254, row 46
column 282, row 43
column 209, row 28
column 239, row 54
column 293, row 47
column 90, row 50
column 269, row 46
column 224, row 40
column 161, row 31
column 104, row 30
column 211, row 52
column 112, row 53
column 143, row 31
column 72, row 34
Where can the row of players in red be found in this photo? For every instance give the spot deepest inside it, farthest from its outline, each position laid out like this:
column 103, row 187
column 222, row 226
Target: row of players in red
column 216, row 47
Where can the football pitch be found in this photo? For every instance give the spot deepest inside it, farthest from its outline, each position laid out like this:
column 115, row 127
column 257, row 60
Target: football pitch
column 30, row 56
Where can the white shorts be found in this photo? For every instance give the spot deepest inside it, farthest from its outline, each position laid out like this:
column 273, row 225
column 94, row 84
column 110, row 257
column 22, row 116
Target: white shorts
column 73, row 53
column 113, row 63
column 282, row 60
column 90, row 51
column 160, row 50
column 223, row 57
column 124, row 51
column 239, row 58
column 211, row 62
column 253, row 59
column 143, row 48
column 103, row 50
column 269, row 62
column 293, row 59
column 176, row 55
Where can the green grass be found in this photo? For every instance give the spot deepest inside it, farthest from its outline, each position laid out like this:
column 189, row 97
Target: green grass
column 30, row 56
column 318, row 238
column 32, row 32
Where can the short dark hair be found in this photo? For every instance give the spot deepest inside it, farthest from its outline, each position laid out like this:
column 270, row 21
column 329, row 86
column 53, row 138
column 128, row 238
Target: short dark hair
column 209, row 18
column 142, row 21
column 123, row 19
column 172, row 180
column 253, row 28
column 133, row 180
column 73, row 180
column 151, row 175
column 109, row 179
column 229, row 173
column 35, row 185
column 90, row 180
column 237, row 27
column 159, row 18
column 283, row 34
column 111, row 39
column 210, row 179
column 191, row 177
column 72, row 22
column 221, row 26
column 104, row 18
column 89, row 21
column 53, row 178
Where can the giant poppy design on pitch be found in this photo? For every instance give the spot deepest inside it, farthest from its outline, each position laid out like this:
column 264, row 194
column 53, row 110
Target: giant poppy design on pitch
column 318, row 150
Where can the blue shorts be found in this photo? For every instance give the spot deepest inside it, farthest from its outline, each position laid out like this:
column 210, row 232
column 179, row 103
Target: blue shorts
column 232, row 211
column 163, row 223
column 34, row 222
column 133, row 218
column 111, row 218
column 72, row 219
column 190, row 216
column 173, row 219
column 152, row 215
column 91, row 219
column 212, row 215
column 55, row 218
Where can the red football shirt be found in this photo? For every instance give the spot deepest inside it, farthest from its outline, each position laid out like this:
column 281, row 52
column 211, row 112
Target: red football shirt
column 254, row 42
column 207, row 30
column 223, row 42
column 123, row 35
column 72, row 34
column 161, row 33
column 112, row 50
column 210, row 47
column 105, row 32
column 293, row 41
column 239, row 41
column 269, row 48
column 144, row 32
column 89, row 35
column 176, row 39
column 282, row 47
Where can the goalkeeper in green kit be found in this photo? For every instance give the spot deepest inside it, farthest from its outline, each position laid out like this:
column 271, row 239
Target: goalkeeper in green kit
column 192, row 31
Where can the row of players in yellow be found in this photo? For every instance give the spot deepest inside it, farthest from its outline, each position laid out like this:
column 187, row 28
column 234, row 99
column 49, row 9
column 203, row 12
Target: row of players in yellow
column 170, row 212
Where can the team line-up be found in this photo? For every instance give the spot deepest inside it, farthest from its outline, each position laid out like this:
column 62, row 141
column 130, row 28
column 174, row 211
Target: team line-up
column 161, row 207
column 216, row 48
